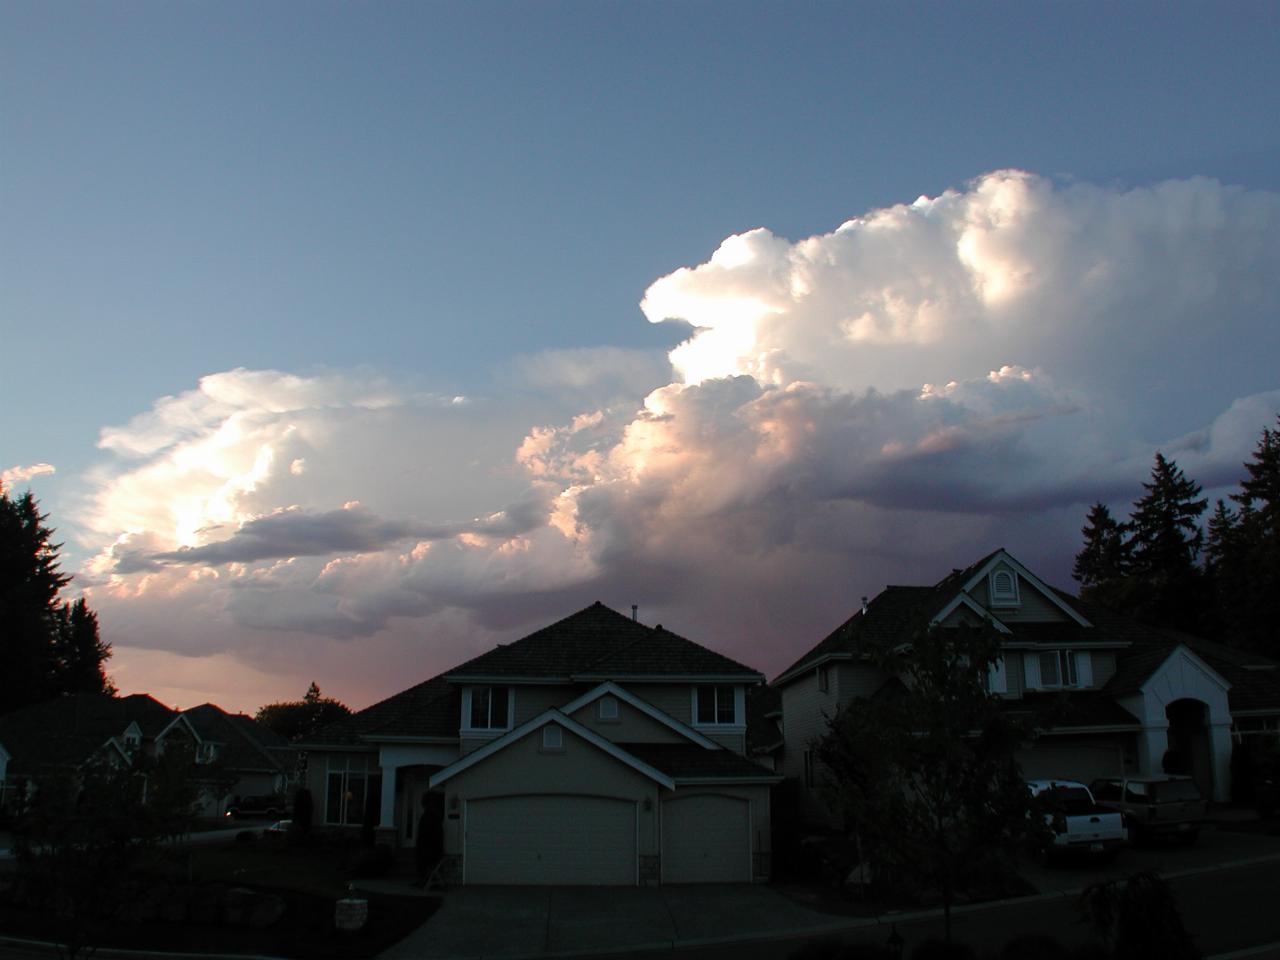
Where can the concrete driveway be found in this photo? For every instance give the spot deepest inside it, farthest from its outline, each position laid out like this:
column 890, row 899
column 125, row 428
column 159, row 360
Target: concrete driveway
column 510, row 922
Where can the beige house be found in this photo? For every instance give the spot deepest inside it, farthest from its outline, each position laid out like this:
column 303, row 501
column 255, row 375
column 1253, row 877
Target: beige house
column 597, row 750
column 1112, row 695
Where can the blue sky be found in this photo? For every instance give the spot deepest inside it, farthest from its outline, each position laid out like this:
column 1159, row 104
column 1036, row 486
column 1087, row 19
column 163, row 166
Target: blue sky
column 402, row 204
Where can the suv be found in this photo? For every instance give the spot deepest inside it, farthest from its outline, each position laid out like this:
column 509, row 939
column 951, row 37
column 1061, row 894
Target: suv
column 1154, row 806
column 271, row 806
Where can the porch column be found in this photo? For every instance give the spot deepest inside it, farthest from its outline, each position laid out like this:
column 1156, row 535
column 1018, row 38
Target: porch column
column 1220, row 759
column 387, row 817
column 1153, row 743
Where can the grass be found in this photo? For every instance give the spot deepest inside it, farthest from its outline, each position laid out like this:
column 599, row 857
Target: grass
column 308, row 877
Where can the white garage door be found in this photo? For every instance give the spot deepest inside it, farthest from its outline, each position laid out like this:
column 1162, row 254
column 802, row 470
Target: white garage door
column 550, row 839
column 706, row 839
column 1077, row 761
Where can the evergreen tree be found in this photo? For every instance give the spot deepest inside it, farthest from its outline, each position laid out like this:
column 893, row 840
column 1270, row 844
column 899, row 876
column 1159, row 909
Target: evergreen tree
column 1165, row 544
column 29, row 585
column 1247, row 575
column 1103, row 566
column 47, row 646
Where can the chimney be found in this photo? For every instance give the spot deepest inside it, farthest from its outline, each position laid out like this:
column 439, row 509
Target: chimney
column 864, row 605
column 634, row 608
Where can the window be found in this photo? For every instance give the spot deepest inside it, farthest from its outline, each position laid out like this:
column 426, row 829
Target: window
column 552, row 737
column 1058, row 669
column 490, row 708
column 353, row 789
column 1004, row 588
column 824, row 678
column 715, row 704
column 608, row 708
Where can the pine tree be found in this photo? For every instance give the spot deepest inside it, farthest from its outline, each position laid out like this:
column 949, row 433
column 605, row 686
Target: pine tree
column 47, row 646
column 1166, row 542
column 1248, row 574
column 1102, row 567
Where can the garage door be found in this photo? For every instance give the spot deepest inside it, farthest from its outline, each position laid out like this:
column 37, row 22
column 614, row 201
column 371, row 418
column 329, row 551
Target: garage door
column 706, row 839
column 550, row 839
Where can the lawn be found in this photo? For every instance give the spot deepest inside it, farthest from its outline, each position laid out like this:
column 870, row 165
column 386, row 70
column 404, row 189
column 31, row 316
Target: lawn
column 259, row 897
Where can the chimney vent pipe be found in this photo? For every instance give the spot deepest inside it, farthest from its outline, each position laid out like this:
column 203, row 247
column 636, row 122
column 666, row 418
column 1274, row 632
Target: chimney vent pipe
column 864, row 604
column 634, row 608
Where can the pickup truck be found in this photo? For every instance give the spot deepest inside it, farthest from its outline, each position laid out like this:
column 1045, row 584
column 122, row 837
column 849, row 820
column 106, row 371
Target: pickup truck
column 1154, row 806
column 1078, row 823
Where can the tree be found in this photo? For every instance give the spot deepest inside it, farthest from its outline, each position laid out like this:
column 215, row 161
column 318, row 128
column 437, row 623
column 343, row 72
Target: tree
column 925, row 770
column 296, row 719
column 48, row 646
column 1104, row 565
column 1165, row 544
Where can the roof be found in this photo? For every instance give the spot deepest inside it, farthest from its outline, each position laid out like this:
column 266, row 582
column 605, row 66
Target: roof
column 599, row 643
column 244, row 744
column 596, row 643
column 69, row 730
column 688, row 761
column 429, row 709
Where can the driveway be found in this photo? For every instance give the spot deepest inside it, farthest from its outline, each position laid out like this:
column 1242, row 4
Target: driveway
column 510, row 922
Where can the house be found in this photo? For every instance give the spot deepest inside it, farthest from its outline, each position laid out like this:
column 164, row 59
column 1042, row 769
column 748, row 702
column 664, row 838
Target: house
column 597, row 750
column 61, row 736
column 1109, row 695
column 236, row 755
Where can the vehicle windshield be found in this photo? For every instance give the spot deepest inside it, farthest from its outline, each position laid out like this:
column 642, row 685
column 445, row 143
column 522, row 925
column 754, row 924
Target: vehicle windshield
column 1176, row 790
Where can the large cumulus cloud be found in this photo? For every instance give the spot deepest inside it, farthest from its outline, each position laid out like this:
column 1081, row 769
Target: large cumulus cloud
column 872, row 405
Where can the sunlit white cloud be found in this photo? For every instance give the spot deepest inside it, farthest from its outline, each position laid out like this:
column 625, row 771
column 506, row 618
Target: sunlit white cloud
column 872, row 405
column 21, row 474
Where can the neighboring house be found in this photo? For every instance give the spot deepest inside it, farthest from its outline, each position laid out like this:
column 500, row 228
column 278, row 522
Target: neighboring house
column 63, row 735
column 1110, row 695
column 597, row 750
column 241, row 756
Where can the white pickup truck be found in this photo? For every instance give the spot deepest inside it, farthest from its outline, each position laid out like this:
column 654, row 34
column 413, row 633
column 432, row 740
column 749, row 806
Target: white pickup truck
column 1078, row 823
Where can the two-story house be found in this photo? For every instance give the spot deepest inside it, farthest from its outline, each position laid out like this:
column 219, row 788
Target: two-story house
column 1110, row 695
column 596, row 750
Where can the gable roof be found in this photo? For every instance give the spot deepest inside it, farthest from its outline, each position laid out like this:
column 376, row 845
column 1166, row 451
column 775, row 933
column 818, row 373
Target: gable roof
column 429, row 711
column 244, row 744
column 598, row 643
column 67, row 731
column 609, row 688
column 688, row 762
column 619, row 753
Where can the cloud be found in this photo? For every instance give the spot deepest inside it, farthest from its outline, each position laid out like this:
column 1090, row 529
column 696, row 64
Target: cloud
column 20, row 474
column 875, row 404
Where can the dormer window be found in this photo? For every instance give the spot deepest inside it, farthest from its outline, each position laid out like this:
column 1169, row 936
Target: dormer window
column 1004, row 589
column 490, row 708
column 715, row 705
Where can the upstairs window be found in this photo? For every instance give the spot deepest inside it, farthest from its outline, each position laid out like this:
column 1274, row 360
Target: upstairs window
column 1004, row 589
column 490, row 708
column 715, row 704
column 1058, row 669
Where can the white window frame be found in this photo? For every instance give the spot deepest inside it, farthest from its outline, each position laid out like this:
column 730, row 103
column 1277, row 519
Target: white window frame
column 718, row 691
column 1065, row 667
column 466, row 708
column 553, row 738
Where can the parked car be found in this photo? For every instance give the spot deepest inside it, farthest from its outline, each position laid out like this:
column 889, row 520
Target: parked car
column 270, row 806
column 1154, row 806
column 1079, row 825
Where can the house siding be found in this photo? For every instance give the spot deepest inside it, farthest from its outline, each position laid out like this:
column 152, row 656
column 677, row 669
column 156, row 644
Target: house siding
column 804, row 712
column 1034, row 607
column 673, row 699
column 632, row 726
column 1104, row 666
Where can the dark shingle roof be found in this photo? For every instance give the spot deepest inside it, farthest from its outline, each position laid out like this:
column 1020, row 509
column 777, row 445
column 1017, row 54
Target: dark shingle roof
column 428, row 709
column 244, row 744
column 69, row 730
column 600, row 642
column 682, row 760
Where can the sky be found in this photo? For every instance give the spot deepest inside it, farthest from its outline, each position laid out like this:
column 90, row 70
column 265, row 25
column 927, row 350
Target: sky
column 343, row 341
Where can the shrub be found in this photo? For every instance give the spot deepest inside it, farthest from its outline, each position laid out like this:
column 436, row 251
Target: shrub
column 372, row 861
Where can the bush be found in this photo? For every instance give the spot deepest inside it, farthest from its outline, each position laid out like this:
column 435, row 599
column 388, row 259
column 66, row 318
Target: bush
column 934, row 949
column 832, row 949
column 303, row 810
column 372, row 861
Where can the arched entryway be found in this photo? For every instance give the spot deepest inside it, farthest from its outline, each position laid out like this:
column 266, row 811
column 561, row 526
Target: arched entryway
column 1190, row 752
